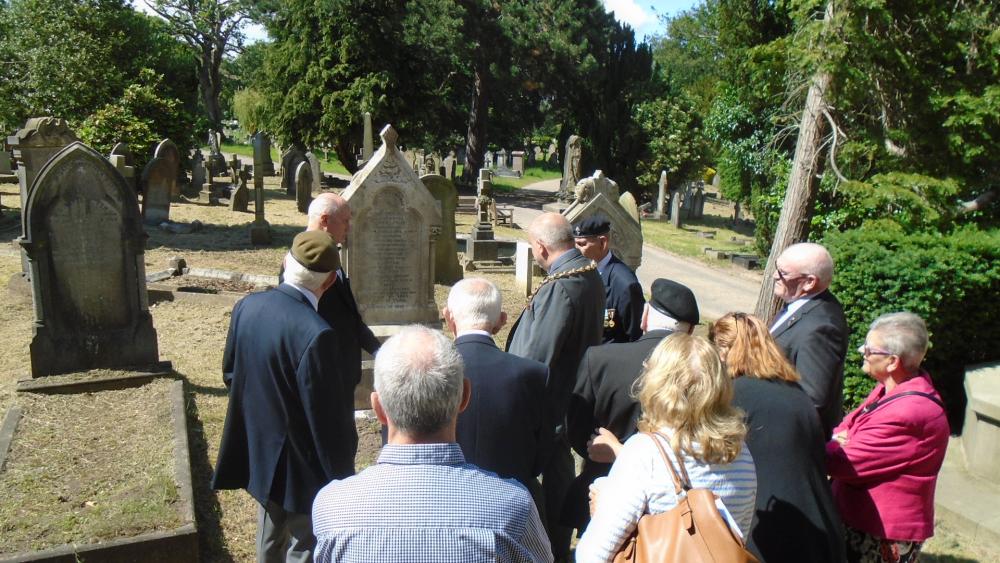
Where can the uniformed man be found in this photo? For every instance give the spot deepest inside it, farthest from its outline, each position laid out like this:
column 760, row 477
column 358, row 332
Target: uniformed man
column 623, row 294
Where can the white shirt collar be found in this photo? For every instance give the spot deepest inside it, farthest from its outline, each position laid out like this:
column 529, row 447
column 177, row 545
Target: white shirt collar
column 313, row 300
column 792, row 307
column 473, row 331
column 604, row 263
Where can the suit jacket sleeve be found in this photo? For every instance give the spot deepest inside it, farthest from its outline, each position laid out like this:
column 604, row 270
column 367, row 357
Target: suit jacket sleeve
column 542, row 338
column 367, row 338
column 632, row 315
column 878, row 450
column 229, row 354
column 580, row 416
column 817, row 358
column 323, row 390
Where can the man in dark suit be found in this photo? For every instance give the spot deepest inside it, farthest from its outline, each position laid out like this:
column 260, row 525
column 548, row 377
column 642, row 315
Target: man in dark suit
column 288, row 429
column 811, row 328
column 504, row 428
column 563, row 318
column 623, row 294
column 602, row 402
column 331, row 214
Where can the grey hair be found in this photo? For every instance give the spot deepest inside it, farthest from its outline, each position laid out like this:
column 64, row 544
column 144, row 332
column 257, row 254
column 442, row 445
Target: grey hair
column 298, row 274
column 418, row 377
column 904, row 334
column 552, row 230
column 656, row 320
column 813, row 259
column 325, row 206
column 475, row 303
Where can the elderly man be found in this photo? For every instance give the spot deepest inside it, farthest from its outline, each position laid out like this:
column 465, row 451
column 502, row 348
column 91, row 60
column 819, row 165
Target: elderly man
column 504, row 428
column 602, row 402
column 331, row 214
column 421, row 501
column 564, row 317
column 289, row 429
column 811, row 328
column 623, row 294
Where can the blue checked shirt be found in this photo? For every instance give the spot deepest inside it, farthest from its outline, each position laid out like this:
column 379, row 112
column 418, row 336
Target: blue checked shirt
column 425, row 503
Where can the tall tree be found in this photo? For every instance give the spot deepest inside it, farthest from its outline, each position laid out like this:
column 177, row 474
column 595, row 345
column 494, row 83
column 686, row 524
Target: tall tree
column 213, row 29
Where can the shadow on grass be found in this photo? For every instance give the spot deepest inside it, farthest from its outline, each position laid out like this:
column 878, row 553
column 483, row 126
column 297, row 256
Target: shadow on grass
column 206, row 505
column 926, row 558
column 220, row 237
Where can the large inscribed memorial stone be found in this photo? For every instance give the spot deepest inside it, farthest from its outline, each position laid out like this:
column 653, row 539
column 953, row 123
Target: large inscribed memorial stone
column 391, row 259
column 599, row 194
column 84, row 242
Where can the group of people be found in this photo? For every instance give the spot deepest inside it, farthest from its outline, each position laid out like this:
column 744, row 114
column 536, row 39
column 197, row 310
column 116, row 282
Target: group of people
column 477, row 463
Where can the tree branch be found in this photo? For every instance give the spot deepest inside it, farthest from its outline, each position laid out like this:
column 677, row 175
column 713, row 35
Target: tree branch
column 979, row 203
column 833, row 146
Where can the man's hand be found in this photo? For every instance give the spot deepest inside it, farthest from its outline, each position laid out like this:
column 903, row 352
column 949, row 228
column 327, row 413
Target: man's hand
column 603, row 446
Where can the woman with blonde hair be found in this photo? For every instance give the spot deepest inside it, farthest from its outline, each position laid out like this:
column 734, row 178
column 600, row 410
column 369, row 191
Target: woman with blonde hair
column 685, row 397
column 795, row 518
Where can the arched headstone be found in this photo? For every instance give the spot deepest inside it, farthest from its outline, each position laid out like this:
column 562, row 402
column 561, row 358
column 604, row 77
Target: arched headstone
column 157, row 178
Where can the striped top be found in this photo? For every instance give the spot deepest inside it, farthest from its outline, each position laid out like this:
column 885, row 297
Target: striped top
column 639, row 482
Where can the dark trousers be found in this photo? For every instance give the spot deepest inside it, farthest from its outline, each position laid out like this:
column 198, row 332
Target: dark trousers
column 556, row 479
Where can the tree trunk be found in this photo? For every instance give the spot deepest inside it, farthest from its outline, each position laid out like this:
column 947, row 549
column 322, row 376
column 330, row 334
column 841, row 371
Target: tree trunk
column 793, row 224
column 211, row 86
column 475, row 141
column 345, row 155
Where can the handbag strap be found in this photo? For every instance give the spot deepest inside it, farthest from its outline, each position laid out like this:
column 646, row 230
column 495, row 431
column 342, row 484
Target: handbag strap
column 680, row 484
column 876, row 404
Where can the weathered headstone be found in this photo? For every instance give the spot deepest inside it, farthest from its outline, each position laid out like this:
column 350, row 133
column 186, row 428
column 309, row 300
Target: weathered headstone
column 628, row 203
column 303, row 187
column 234, row 168
column 661, row 195
column 599, row 195
column 392, row 265
column 207, row 195
column 260, row 230
column 84, row 241
column 449, row 166
column 675, row 209
column 120, row 162
column 262, row 142
column 290, row 160
column 523, row 269
column 501, row 157
column 698, row 203
column 198, row 174
column 240, row 198
column 368, row 141
column 4, row 161
column 517, row 162
column 446, row 267
column 571, row 167
column 34, row 144
column 317, row 172
column 482, row 244
column 539, row 156
column 169, row 152
column 488, row 160
column 157, row 178
column 216, row 161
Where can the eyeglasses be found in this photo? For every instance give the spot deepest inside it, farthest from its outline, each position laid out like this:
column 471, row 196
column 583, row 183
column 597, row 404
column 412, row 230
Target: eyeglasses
column 866, row 350
column 786, row 277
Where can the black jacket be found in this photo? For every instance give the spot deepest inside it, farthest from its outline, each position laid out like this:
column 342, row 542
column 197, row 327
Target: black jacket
column 623, row 296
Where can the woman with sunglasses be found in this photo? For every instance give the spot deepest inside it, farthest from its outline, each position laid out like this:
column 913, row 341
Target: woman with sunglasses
column 885, row 456
column 794, row 518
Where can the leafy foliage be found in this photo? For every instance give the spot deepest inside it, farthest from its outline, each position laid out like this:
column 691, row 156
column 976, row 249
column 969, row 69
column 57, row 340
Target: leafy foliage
column 951, row 281
column 676, row 142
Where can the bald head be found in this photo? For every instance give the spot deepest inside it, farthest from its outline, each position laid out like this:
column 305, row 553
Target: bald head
column 550, row 235
column 803, row 269
column 331, row 213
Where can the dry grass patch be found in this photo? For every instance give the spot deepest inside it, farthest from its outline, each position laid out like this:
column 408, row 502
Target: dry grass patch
column 89, row 467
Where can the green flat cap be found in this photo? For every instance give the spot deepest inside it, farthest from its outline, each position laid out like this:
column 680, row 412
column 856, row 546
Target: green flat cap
column 316, row 251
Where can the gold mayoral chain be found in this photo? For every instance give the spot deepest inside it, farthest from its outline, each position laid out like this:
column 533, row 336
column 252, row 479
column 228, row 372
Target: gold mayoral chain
column 568, row 273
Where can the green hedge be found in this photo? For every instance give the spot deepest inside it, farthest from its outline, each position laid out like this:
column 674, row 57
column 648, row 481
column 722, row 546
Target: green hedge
column 951, row 280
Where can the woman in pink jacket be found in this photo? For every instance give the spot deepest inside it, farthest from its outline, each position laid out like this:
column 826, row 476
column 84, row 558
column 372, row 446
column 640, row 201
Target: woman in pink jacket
column 885, row 456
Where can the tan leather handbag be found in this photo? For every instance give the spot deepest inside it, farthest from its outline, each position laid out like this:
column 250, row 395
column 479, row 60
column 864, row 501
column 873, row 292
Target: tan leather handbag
column 693, row 531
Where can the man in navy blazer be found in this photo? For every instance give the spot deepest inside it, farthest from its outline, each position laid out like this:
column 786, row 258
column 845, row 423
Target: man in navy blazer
column 504, row 428
column 623, row 294
column 290, row 424
column 811, row 328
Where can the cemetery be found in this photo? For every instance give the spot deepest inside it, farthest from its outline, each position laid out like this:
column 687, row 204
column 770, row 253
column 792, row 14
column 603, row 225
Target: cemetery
column 134, row 218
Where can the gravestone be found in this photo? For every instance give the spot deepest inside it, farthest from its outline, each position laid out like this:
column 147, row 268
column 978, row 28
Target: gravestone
column 260, row 229
column 517, row 162
column 539, row 156
column 661, row 195
column 571, row 167
column 450, row 166
column 262, row 142
column 34, row 144
column 675, row 209
column 240, row 198
column 207, row 195
column 303, row 187
column 501, row 158
column 120, row 162
column 391, row 267
column 169, row 152
column 234, row 169
column 216, row 162
column 698, row 203
column 4, row 161
column 290, row 160
column 84, row 241
column 317, row 172
column 488, row 160
column 599, row 195
column 198, row 174
column 627, row 201
column 368, row 146
column 157, row 177
column 446, row 267
column 553, row 149
column 482, row 245
column 523, row 261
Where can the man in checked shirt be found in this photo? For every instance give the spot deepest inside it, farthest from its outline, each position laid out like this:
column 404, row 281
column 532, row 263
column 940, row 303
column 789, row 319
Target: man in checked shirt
column 421, row 501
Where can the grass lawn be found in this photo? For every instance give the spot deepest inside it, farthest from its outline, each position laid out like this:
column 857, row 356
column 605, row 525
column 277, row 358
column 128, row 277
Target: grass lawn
column 532, row 174
column 686, row 241
column 328, row 165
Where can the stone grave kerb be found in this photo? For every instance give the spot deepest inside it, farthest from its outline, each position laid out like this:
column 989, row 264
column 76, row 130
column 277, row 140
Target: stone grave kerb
column 391, row 265
column 85, row 245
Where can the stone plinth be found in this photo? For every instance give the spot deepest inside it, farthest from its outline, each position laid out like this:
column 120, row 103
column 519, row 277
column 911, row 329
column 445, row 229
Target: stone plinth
column 482, row 245
column 981, row 433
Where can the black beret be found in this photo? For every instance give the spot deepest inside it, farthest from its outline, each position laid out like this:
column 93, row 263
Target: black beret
column 592, row 226
column 674, row 300
column 316, row 250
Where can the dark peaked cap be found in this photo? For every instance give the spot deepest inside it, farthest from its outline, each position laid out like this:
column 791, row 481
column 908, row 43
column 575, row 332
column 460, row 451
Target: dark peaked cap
column 316, row 251
column 592, row 226
column 674, row 300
